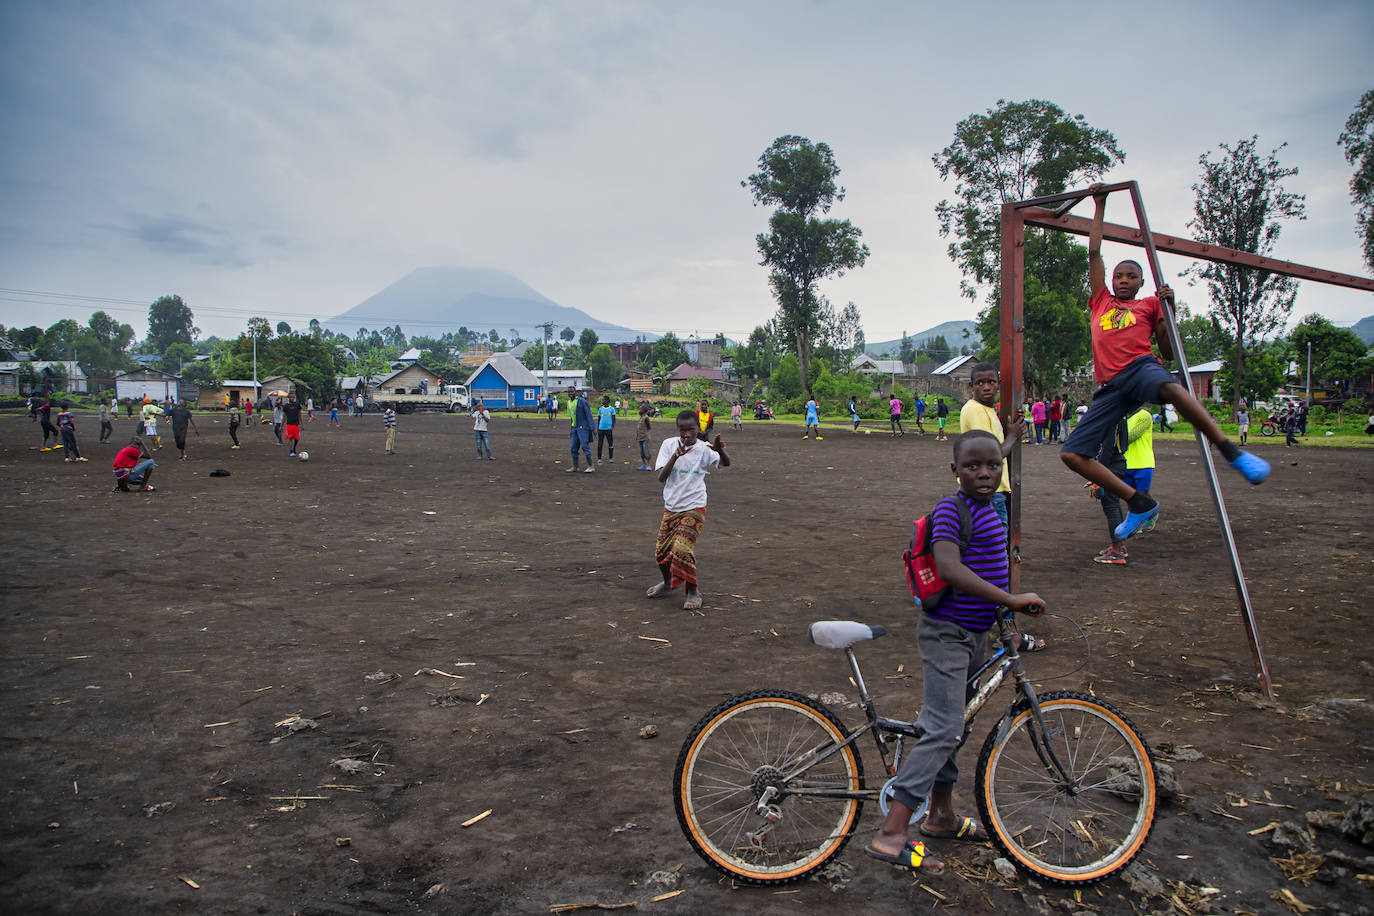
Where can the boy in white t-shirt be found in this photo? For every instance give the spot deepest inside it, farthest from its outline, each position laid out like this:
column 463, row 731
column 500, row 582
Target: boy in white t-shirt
column 682, row 465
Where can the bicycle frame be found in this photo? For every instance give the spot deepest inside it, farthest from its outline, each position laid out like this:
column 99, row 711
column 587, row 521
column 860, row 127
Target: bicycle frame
column 1006, row 660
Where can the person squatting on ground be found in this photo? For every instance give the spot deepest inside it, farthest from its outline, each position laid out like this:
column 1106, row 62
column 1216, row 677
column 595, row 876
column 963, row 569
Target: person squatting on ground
column 642, row 437
column 291, row 425
column 682, row 465
column 234, row 425
column 134, row 464
column 813, row 419
column 106, row 427
column 68, row 430
column 580, row 433
column 480, row 418
column 894, row 406
column 389, row 421
column 1130, row 375
column 980, row 412
column 605, row 428
column 952, row 637
column 181, row 419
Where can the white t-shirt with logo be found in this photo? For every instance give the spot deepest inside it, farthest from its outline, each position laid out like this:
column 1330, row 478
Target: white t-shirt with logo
column 685, row 487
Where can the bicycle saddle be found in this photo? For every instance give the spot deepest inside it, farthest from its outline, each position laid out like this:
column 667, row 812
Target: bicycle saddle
column 842, row 634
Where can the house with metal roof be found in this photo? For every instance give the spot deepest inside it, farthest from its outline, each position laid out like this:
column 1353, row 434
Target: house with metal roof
column 504, row 382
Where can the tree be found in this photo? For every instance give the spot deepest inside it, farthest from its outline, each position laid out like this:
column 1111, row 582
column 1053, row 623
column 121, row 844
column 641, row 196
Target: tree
column 102, row 346
column 1203, row 338
column 1057, row 339
column 1012, row 152
column 800, row 248
column 567, row 334
column 315, row 327
column 262, row 329
column 907, row 351
column 669, row 351
column 786, row 381
column 1266, row 369
column 587, row 340
column 283, row 329
column 170, row 321
column 175, row 356
column 1338, row 354
column 603, row 370
column 59, row 340
column 1238, row 203
column 1358, row 140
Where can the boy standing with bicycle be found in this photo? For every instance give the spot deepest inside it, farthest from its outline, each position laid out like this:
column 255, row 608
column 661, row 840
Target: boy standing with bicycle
column 952, row 638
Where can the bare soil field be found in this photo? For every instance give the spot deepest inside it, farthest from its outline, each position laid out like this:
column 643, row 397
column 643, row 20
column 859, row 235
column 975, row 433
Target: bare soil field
column 186, row 672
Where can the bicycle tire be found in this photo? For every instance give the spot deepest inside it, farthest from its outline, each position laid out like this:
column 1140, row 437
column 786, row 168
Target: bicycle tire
column 1064, row 837
column 736, row 751
column 1268, row 429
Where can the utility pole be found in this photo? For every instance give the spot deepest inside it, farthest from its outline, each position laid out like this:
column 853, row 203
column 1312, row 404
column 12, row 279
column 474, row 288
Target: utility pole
column 1309, row 375
column 548, row 329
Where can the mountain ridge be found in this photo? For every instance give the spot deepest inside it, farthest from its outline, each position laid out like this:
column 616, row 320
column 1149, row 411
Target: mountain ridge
column 430, row 301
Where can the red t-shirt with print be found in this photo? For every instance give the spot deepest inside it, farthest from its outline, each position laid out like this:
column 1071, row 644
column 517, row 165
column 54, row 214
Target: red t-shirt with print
column 1121, row 331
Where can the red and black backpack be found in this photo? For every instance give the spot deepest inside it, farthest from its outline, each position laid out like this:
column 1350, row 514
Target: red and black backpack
column 927, row 588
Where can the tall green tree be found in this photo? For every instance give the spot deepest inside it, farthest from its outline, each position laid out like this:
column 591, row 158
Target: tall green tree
column 102, row 346
column 567, row 334
column 1358, row 140
column 603, row 371
column 1238, row 203
column 1057, row 339
column 587, row 340
column 1012, row 152
column 1338, row 354
column 1203, row 338
column 60, row 339
column 801, row 248
column 170, row 321
column 669, row 351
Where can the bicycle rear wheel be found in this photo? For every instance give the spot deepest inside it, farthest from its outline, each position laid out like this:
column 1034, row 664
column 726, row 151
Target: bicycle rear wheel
column 1268, row 429
column 1078, row 832
column 747, row 745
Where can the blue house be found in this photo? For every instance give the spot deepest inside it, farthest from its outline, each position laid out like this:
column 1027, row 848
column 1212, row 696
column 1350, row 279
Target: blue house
column 504, row 382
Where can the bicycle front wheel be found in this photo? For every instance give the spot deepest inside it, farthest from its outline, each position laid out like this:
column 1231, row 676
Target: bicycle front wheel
column 1077, row 830
column 772, row 743
column 1268, row 429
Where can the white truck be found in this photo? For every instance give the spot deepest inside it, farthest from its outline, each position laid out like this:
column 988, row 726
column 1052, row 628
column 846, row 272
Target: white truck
column 453, row 399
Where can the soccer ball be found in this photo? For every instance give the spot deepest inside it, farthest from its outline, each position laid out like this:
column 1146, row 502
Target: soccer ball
column 304, row 456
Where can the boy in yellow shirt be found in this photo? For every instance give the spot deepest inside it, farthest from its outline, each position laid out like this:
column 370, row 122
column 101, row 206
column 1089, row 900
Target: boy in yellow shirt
column 980, row 412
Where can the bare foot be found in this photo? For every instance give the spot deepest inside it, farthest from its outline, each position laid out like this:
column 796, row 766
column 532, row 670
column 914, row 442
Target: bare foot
column 658, row 590
column 693, row 602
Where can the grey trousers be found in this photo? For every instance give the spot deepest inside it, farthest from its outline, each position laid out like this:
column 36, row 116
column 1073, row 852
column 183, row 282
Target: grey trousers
column 948, row 653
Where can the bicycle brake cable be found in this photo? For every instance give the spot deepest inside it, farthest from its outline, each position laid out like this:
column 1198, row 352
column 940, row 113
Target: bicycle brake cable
column 1088, row 652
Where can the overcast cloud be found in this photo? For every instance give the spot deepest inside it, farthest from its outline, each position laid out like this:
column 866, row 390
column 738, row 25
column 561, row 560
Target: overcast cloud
column 290, row 160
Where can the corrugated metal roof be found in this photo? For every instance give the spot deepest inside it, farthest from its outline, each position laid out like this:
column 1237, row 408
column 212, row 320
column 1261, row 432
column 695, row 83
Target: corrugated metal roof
column 953, row 364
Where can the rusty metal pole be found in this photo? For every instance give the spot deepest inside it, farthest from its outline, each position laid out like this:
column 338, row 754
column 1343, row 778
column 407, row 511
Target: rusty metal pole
column 1176, row 342
column 1013, row 328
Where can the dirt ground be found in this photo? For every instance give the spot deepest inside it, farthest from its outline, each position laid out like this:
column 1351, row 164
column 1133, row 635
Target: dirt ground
column 157, row 647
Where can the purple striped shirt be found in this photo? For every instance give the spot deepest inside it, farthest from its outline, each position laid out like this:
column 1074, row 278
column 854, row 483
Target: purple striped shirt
column 986, row 556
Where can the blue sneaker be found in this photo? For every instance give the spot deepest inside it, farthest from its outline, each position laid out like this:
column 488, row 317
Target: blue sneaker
column 1134, row 522
column 1252, row 467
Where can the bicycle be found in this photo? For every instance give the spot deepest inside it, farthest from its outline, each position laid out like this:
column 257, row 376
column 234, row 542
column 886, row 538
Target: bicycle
column 769, row 785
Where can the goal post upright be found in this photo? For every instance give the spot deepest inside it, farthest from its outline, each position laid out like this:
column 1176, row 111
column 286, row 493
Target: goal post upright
column 1016, row 216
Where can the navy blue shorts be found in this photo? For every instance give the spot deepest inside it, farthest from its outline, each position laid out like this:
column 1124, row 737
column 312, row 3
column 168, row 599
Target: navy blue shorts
column 1137, row 384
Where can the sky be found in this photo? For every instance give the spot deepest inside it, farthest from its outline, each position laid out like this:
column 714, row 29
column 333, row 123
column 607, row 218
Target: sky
column 291, row 159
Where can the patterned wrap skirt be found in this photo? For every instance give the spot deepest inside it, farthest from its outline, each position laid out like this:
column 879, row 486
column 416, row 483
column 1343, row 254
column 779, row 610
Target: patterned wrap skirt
column 676, row 546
